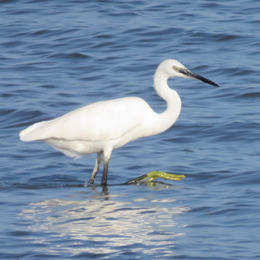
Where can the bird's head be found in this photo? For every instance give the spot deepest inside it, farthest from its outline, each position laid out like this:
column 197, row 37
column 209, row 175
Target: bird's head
column 173, row 68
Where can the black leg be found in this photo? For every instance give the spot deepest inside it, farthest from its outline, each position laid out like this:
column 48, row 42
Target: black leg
column 104, row 179
column 100, row 159
column 136, row 180
column 93, row 176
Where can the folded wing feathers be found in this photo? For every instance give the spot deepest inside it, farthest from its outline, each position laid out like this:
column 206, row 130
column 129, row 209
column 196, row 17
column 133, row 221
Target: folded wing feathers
column 96, row 122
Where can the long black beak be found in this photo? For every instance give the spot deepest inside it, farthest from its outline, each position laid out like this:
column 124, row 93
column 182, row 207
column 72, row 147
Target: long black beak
column 196, row 76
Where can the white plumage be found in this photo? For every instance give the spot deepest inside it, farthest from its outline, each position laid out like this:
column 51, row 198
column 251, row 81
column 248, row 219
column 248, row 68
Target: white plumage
column 103, row 126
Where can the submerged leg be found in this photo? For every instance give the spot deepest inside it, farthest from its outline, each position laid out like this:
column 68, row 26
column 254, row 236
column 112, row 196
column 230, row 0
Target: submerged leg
column 100, row 159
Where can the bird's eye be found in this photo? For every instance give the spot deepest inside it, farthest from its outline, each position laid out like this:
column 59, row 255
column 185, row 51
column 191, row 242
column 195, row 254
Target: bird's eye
column 175, row 68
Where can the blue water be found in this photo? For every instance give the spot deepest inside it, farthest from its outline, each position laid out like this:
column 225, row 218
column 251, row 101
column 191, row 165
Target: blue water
column 57, row 56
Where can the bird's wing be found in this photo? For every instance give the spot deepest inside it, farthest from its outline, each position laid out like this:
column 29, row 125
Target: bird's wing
column 101, row 121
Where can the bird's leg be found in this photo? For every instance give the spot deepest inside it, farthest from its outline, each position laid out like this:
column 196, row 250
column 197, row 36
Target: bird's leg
column 100, row 159
column 104, row 179
column 107, row 154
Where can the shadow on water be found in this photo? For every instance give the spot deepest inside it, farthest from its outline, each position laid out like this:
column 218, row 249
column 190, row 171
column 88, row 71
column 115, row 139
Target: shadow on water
column 62, row 181
column 94, row 221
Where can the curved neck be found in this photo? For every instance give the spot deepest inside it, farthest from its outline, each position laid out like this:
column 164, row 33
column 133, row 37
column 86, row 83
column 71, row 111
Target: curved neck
column 166, row 119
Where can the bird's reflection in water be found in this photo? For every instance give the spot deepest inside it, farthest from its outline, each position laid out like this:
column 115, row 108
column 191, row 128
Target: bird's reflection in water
column 103, row 223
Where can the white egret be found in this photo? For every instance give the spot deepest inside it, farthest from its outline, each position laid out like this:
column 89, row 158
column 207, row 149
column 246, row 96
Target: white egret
column 104, row 126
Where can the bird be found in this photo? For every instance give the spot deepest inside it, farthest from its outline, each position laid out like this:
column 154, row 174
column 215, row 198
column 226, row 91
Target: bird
column 104, row 126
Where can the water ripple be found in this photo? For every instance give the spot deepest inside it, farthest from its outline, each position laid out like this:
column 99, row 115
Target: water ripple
column 58, row 56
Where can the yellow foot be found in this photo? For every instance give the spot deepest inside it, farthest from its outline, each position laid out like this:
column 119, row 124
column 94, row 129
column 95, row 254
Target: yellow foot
column 156, row 174
column 164, row 175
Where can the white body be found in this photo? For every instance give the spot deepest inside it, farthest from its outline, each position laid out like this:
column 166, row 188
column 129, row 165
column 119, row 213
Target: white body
column 104, row 126
column 99, row 126
column 107, row 125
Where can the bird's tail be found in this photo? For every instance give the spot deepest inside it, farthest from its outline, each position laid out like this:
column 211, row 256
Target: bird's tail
column 33, row 132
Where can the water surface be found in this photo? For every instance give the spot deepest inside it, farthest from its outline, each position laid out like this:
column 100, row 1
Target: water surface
column 58, row 56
